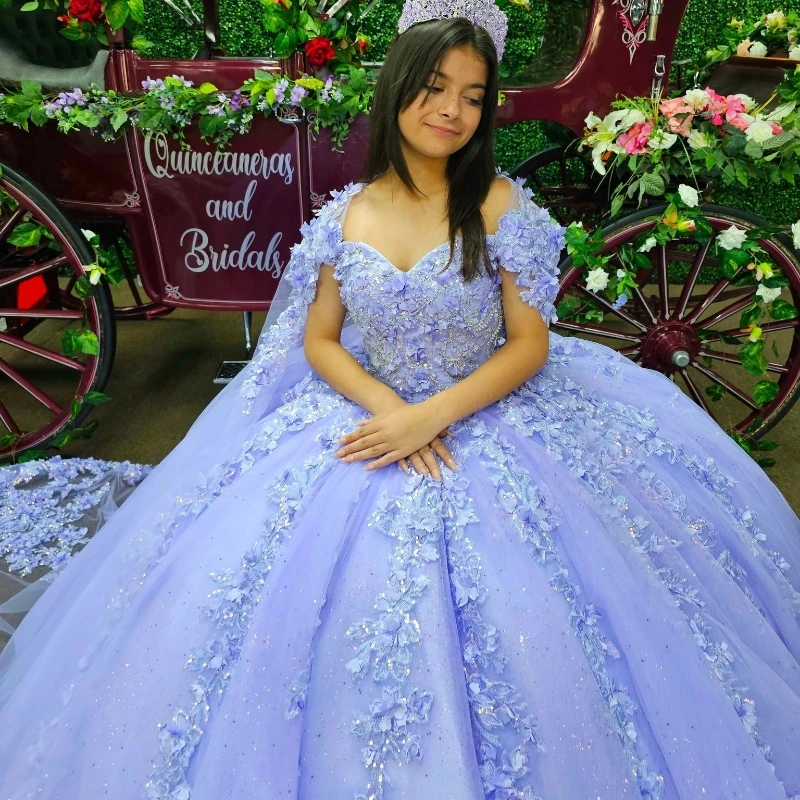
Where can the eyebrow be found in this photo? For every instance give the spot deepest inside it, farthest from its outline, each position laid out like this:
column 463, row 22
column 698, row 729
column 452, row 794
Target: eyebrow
column 446, row 78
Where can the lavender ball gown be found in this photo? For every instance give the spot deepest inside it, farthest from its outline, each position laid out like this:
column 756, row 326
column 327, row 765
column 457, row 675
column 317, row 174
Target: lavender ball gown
column 601, row 603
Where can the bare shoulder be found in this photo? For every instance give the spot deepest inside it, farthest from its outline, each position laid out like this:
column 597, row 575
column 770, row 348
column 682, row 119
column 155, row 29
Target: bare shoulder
column 497, row 203
column 360, row 209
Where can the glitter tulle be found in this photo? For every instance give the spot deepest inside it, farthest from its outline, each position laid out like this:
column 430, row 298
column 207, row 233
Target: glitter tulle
column 602, row 602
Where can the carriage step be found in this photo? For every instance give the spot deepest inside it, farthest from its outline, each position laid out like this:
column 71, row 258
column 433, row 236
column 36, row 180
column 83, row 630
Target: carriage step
column 228, row 370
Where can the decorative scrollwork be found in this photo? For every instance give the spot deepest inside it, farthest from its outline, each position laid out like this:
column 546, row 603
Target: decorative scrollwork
column 633, row 16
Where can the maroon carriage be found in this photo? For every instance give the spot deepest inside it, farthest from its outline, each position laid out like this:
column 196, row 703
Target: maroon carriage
column 199, row 228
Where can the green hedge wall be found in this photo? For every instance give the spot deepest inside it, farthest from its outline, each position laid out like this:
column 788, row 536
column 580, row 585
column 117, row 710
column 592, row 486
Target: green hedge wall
column 242, row 35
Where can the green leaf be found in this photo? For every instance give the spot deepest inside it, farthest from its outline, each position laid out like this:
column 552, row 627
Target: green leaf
column 117, row 12
column 83, row 288
column 150, row 117
column 32, row 6
column 616, row 204
column 782, row 310
column 26, row 234
column 208, row 88
column 728, row 339
column 777, row 281
column 32, row 455
column 715, row 392
column 7, row 438
column 62, row 438
column 86, row 342
column 136, row 10
column 766, row 463
column 765, row 392
column 96, row 398
column 69, row 342
column 567, row 307
column 764, row 445
column 752, row 357
column 73, row 34
column 750, row 315
column 31, row 89
column 753, row 149
column 76, row 409
column 652, row 184
column 118, row 119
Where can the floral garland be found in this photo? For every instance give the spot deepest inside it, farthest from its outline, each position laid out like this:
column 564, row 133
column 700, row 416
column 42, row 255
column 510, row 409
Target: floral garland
column 650, row 144
column 773, row 33
column 741, row 260
column 172, row 104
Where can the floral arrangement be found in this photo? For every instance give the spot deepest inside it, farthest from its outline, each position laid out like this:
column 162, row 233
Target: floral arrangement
column 741, row 260
column 172, row 104
column 84, row 19
column 326, row 39
column 769, row 34
column 651, row 144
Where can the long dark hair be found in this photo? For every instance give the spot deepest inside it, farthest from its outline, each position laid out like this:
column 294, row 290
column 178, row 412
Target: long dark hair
column 470, row 171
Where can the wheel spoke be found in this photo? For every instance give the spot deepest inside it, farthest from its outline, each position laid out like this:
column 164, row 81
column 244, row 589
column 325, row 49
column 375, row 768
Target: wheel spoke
column 731, row 359
column 43, row 352
column 619, row 312
column 696, row 394
column 41, row 313
column 663, row 281
column 729, row 311
column 691, row 280
column 629, row 351
column 43, row 398
column 8, row 421
column 30, row 272
column 15, row 217
column 766, row 328
column 599, row 330
column 716, row 291
column 637, row 293
column 734, row 390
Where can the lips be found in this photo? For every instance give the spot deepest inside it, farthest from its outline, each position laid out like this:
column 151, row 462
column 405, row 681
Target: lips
column 442, row 130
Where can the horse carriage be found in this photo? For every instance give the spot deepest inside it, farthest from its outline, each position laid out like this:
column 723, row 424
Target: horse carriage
column 196, row 227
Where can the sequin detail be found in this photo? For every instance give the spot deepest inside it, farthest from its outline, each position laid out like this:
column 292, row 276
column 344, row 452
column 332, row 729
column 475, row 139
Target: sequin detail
column 41, row 502
column 231, row 610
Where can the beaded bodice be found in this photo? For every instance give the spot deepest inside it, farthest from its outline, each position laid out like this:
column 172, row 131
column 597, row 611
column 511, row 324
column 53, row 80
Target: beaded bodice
column 423, row 329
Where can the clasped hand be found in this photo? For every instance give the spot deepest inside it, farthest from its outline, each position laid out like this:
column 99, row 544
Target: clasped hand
column 406, row 433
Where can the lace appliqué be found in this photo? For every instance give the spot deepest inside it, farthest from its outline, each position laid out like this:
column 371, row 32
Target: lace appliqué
column 231, row 610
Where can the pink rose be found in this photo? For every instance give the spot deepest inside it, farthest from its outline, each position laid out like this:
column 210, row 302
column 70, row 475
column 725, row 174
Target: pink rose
column 635, row 140
column 744, row 48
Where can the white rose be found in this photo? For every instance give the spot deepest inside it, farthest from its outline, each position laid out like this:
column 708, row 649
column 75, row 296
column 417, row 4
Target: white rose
column 94, row 277
column 768, row 295
column 689, row 195
column 775, row 20
column 757, row 50
column 697, row 98
column 732, row 239
column 698, row 140
column 596, row 279
column 3, row 324
column 662, row 140
column 759, row 130
column 648, row 245
column 796, row 234
column 88, row 234
column 794, row 53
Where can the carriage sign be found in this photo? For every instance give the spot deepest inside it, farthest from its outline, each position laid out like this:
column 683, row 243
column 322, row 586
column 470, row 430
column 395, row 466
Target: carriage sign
column 223, row 220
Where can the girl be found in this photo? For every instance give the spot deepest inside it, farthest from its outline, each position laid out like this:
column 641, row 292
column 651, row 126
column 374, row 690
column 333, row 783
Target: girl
column 575, row 585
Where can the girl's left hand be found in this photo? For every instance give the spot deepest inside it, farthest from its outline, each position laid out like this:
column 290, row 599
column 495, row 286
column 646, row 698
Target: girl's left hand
column 390, row 436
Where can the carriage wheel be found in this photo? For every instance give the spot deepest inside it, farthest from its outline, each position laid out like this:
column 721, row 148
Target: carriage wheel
column 129, row 298
column 39, row 384
column 565, row 184
column 687, row 331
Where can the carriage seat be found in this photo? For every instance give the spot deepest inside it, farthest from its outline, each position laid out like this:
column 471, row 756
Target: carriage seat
column 31, row 48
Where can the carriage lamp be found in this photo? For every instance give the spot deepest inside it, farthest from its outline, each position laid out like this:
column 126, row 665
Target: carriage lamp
column 656, row 10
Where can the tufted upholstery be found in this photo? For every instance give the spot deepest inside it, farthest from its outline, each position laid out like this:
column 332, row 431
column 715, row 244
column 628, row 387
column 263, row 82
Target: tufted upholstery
column 31, row 47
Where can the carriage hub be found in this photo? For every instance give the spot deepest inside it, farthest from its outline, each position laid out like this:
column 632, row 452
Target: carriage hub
column 670, row 346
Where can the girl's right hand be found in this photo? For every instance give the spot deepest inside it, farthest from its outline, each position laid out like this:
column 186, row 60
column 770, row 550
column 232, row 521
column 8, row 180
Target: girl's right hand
column 424, row 460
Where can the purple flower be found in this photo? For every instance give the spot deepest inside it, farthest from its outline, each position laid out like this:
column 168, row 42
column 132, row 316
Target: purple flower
column 237, row 101
column 280, row 90
column 298, row 93
column 620, row 301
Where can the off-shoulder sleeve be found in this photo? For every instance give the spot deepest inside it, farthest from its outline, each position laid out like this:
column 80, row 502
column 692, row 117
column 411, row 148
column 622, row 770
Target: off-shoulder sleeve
column 529, row 244
column 281, row 339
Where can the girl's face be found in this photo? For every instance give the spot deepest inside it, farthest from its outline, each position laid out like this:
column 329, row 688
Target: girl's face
column 441, row 123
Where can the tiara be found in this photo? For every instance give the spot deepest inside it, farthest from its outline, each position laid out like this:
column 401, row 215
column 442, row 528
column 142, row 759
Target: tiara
column 480, row 12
